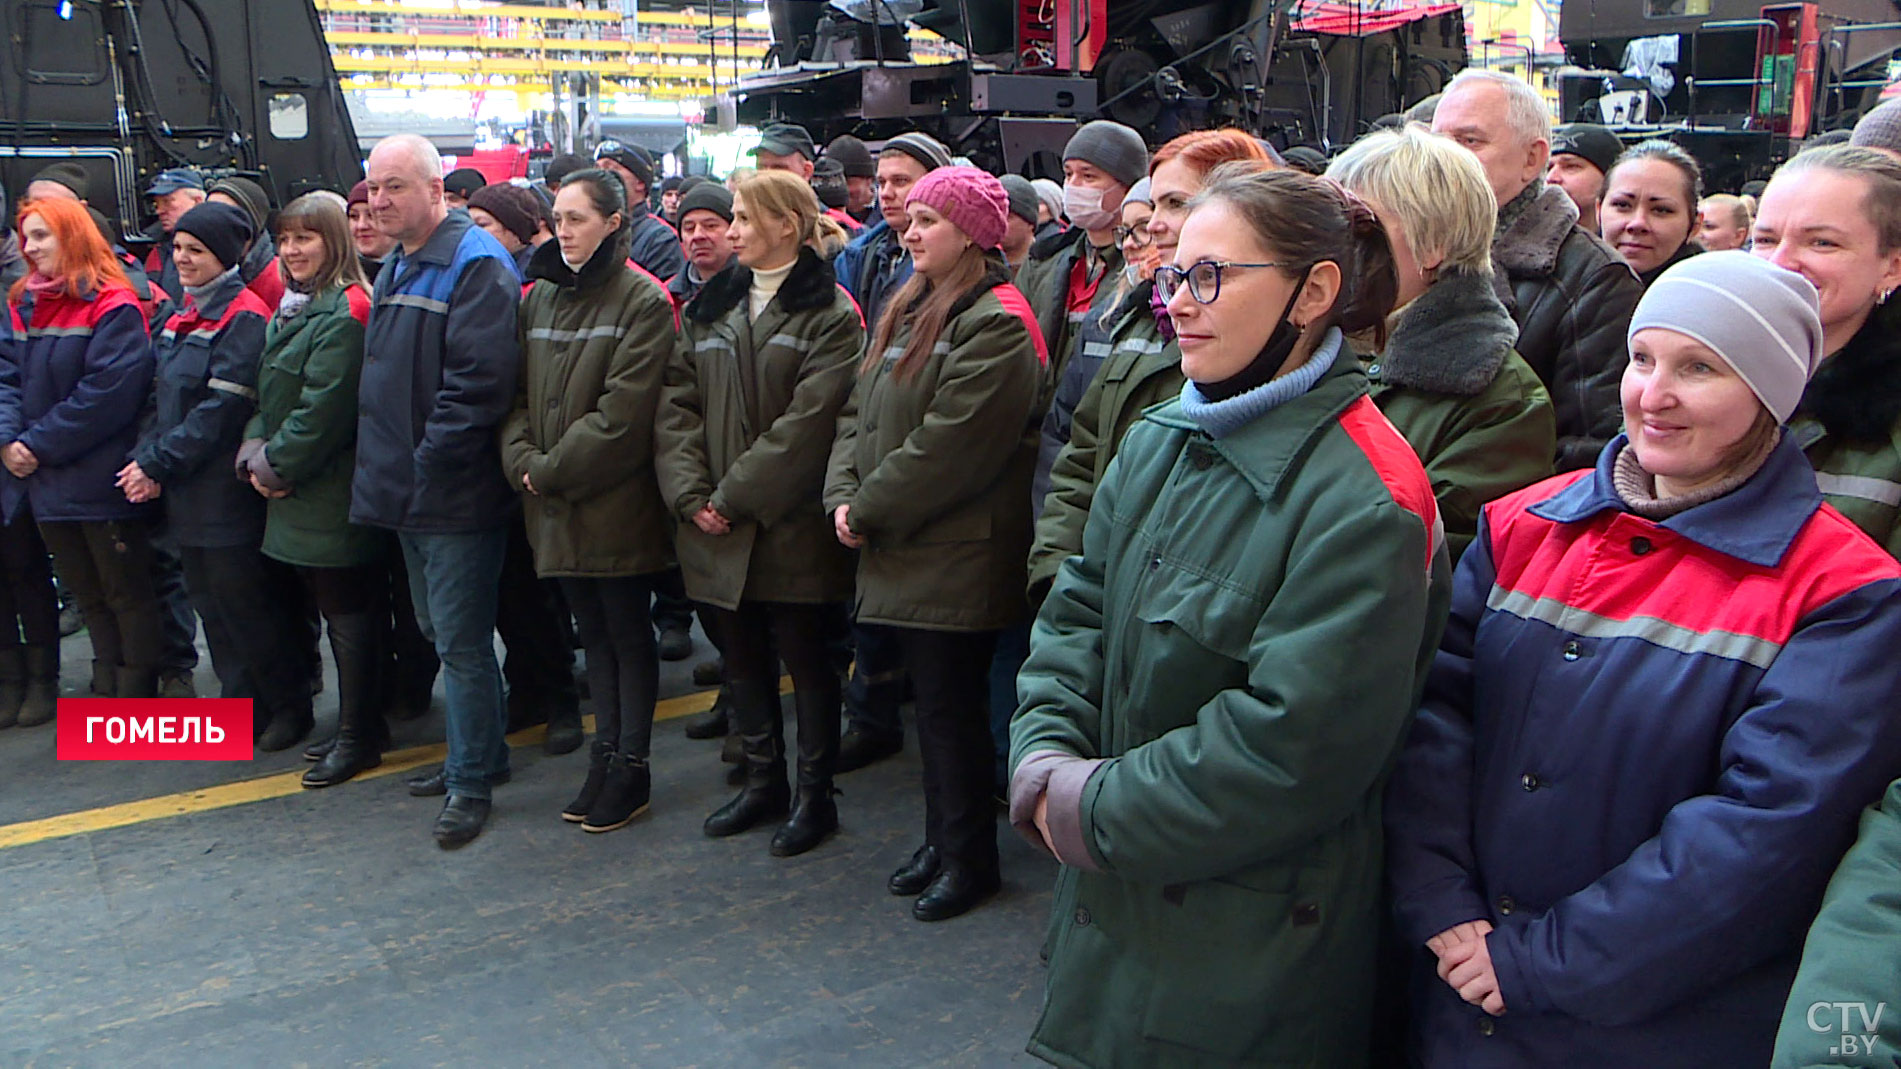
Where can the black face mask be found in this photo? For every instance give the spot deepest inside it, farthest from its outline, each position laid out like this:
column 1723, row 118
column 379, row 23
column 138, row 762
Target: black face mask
column 1260, row 371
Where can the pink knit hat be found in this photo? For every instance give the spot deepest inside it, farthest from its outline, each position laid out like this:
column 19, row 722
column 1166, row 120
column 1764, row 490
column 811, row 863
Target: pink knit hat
column 973, row 200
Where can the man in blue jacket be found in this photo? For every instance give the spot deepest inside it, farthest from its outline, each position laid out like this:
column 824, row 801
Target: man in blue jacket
column 440, row 363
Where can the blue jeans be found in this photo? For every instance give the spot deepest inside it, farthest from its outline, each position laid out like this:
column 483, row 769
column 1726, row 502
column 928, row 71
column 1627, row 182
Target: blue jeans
column 453, row 580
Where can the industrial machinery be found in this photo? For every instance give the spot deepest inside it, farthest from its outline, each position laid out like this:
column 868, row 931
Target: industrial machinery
column 1030, row 69
column 1739, row 84
column 127, row 89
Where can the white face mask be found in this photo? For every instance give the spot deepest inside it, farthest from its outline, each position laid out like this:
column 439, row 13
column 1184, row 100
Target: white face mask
column 1132, row 273
column 1084, row 207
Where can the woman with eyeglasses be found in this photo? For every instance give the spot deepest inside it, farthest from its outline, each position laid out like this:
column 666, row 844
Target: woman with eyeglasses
column 1217, row 685
column 1442, row 367
column 1143, row 365
column 930, row 480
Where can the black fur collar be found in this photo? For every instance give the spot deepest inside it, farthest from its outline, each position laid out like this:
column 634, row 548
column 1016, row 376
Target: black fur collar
column 1451, row 339
column 1049, row 245
column 808, row 288
column 1856, row 394
column 609, row 257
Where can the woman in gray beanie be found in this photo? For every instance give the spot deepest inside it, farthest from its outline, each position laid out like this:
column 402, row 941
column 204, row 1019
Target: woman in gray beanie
column 1665, row 692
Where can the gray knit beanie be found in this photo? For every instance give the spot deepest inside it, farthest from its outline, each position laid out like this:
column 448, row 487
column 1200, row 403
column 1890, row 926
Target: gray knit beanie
column 1139, row 194
column 1022, row 197
column 1113, row 147
column 1051, row 194
column 1764, row 321
column 1880, row 128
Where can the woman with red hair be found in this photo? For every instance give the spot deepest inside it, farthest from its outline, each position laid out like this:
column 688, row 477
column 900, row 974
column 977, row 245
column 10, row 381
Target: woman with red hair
column 1143, row 366
column 73, row 380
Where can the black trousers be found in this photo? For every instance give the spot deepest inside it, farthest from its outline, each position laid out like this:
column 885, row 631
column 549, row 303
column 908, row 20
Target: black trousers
column 107, row 566
column 755, row 638
column 258, row 649
column 29, row 609
column 671, row 607
column 177, row 621
column 623, row 657
column 950, row 676
column 533, row 622
column 877, row 681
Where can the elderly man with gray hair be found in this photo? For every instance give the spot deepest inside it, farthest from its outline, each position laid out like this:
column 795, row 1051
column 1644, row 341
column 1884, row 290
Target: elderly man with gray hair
column 1569, row 293
column 440, row 360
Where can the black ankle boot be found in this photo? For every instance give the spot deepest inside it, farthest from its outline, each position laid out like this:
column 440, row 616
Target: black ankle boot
column 814, row 818
column 764, row 797
column 957, row 890
column 712, row 724
column 625, row 790
column 597, row 755
column 42, row 685
column 916, row 874
column 316, row 750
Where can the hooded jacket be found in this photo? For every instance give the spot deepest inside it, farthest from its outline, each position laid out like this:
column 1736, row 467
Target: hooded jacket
column 74, row 379
column 206, row 389
column 1642, row 751
column 595, row 345
column 936, row 468
column 1849, row 425
column 751, row 407
column 440, row 360
column 871, row 267
column 1470, row 406
column 1572, row 297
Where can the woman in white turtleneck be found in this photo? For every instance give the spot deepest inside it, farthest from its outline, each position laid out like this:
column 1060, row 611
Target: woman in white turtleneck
column 766, row 358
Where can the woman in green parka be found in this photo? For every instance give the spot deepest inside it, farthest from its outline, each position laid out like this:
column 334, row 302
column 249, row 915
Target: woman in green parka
column 930, row 481
column 300, row 453
column 1448, row 377
column 765, row 360
column 596, row 335
column 1217, row 684
column 1143, row 368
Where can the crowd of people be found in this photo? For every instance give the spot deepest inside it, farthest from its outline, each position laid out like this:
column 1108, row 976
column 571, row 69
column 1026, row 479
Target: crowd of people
column 1454, row 579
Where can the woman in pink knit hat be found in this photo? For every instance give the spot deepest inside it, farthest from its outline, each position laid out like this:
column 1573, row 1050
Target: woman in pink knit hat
column 930, row 479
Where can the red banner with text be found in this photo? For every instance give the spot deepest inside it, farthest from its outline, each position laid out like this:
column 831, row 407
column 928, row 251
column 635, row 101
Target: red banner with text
column 154, row 729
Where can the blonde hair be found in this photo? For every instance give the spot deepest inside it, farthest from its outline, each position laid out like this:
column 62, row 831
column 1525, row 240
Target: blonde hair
column 787, row 197
column 1434, row 189
column 1737, row 207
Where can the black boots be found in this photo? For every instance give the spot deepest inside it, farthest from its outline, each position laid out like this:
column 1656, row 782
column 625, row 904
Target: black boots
column 361, row 734
column 916, row 874
column 42, row 685
column 713, row 723
column 625, row 789
column 765, row 795
column 577, row 810
column 564, row 733
column 814, row 813
column 957, row 890
column 12, row 685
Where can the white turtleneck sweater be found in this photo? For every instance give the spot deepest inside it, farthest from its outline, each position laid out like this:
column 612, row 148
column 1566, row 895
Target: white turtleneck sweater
column 765, row 286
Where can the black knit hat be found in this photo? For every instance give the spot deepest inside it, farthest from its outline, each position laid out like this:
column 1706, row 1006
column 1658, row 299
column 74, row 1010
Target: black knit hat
column 1594, row 144
column 562, row 166
column 512, row 206
column 828, row 181
column 708, row 196
column 463, row 181
column 852, row 155
column 224, row 230
column 256, row 202
column 65, row 173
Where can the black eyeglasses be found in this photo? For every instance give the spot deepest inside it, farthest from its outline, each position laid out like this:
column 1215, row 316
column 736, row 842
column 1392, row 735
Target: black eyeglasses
column 1203, row 278
column 1140, row 234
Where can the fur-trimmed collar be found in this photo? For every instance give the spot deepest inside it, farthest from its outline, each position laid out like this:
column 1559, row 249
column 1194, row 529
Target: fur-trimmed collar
column 1856, row 393
column 809, row 287
column 1452, row 338
column 1531, row 229
column 608, row 258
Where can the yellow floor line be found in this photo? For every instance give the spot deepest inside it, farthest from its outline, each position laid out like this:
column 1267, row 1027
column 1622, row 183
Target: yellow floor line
column 282, row 784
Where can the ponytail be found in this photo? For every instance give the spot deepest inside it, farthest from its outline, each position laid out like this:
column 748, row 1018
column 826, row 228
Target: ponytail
column 1306, row 220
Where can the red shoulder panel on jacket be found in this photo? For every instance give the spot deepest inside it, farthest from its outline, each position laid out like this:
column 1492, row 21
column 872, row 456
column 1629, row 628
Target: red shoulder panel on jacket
column 1018, row 305
column 1396, row 464
column 855, row 306
column 359, row 304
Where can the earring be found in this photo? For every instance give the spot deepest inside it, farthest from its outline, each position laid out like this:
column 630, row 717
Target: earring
column 1885, row 294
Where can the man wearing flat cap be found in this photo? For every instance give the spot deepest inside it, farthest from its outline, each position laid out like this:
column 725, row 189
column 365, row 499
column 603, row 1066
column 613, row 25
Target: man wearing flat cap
column 785, row 146
column 653, row 244
column 1581, row 156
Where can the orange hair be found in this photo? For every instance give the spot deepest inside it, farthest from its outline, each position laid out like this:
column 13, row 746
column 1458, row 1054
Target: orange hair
column 86, row 262
column 1204, row 150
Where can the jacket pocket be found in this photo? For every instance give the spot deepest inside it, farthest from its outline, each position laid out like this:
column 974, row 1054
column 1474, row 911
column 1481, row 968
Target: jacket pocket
column 1233, row 973
column 965, row 525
